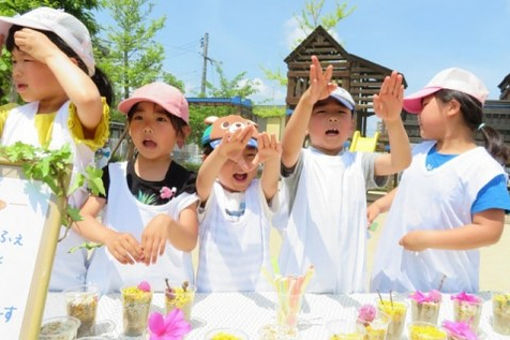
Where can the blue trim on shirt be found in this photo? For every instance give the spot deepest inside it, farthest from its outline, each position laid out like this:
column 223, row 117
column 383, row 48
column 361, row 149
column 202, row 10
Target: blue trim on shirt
column 494, row 195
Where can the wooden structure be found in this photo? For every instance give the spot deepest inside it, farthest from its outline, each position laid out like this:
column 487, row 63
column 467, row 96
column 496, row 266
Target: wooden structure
column 361, row 77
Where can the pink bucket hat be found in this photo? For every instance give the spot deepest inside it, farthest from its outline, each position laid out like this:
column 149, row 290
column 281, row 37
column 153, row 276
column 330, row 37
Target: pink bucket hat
column 166, row 96
column 71, row 30
column 451, row 79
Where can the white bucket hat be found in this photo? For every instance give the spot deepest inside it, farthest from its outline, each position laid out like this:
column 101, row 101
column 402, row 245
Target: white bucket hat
column 71, row 30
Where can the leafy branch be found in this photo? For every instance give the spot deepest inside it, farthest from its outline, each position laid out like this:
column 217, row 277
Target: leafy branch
column 54, row 167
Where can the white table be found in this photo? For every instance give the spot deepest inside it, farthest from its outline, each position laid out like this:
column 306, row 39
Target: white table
column 251, row 311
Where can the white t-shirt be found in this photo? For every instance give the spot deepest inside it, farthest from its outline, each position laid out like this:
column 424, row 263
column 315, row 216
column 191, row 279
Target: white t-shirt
column 327, row 223
column 437, row 199
column 125, row 213
column 69, row 269
column 234, row 240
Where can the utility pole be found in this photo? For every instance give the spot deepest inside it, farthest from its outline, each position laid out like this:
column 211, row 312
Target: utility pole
column 205, row 42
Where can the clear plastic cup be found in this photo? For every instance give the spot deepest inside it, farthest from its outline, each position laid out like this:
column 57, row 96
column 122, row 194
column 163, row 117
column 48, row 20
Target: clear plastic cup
column 344, row 329
column 287, row 310
column 59, row 328
column 468, row 312
column 180, row 298
column 427, row 311
column 226, row 334
column 419, row 330
column 396, row 309
column 501, row 313
column 135, row 310
column 378, row 328
column 81, row 303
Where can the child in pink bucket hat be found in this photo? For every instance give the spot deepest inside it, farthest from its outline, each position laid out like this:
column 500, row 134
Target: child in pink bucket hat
column 453, row 197
column 150, row 221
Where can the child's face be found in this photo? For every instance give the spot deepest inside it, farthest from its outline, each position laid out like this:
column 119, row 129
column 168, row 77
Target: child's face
column 34, row 80
column 233, row 178
column 330, row 126
column 432, row 118
column 152, row 131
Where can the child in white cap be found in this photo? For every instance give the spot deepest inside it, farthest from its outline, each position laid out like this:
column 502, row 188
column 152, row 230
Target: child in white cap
column 54, row 72
column 236, row 206
column 453, row 197
column 327, row 186
column 150, row 223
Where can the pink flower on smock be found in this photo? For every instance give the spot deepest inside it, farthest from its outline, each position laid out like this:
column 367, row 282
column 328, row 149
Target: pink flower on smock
column 167, row 193
column 172, row 327
column 460, row 330
column 366, row 314
column 473, row 299
column 145, row 286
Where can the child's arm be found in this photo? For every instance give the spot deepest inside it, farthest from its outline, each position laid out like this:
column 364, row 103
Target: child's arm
column 123, row 246
column 231, row 147
column 297, row 127
column 269, row 154
column 182, row 234
column 485, row 230
column 388, row 106
column 78, row 86
column 379, row 206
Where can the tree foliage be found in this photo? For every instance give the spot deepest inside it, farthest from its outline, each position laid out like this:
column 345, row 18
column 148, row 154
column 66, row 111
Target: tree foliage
column 131, row 55
column 308, row 19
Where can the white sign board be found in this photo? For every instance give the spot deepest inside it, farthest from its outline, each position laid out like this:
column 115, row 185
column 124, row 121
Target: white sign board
column 23, row 213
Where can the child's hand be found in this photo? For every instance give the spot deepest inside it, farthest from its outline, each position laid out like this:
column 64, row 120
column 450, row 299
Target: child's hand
column 154, row 238
column 233, row 144
column 373, row 211
column 416, row 240
column 268, row 148
column 388, row 103
column 320, row 86
column 124, row 247
column 35, row 44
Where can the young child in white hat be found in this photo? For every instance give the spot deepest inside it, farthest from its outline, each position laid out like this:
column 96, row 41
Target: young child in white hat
column 54, row 72
column 326, row 186
column 452, row 198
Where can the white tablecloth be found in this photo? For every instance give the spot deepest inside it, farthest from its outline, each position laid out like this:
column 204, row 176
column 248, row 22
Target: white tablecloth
column 251, row 311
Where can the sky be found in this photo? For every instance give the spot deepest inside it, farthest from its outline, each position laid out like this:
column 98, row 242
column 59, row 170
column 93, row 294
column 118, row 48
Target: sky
column 416, row 37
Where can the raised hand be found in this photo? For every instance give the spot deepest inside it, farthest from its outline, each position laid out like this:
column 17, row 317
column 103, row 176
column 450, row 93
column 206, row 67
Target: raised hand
column 233, row 144
column 388, row 103
column 268, row 148
column 124, row 247
column 35, row 44
column 320, row 81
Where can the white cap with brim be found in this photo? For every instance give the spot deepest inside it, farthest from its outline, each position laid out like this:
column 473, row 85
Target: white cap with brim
column 450, row 79
column 344, row 98
column 71, row 30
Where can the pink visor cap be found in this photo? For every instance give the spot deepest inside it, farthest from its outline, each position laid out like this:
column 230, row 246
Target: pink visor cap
column 166, row 96
column 451, row 79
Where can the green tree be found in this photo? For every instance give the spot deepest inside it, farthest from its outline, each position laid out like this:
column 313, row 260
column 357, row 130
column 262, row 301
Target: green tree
column 308, row 19
column 131, row 56
column 238, row 86
column 81, row 9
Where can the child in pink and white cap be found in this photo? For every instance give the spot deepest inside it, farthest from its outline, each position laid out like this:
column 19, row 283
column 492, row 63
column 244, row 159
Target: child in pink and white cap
column 150, row 222
column 453, row 197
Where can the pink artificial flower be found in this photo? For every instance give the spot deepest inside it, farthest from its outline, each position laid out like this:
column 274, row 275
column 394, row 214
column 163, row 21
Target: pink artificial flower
column 366, row 314
column 172, row 327
column 167, row 193
column 420, row 297
column 145, row 286
column 459, row 330
column 465, row 297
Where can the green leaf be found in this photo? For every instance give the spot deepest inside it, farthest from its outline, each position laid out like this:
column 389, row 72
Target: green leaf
column 77, row 183
column 85, row 245
column 74, row 213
